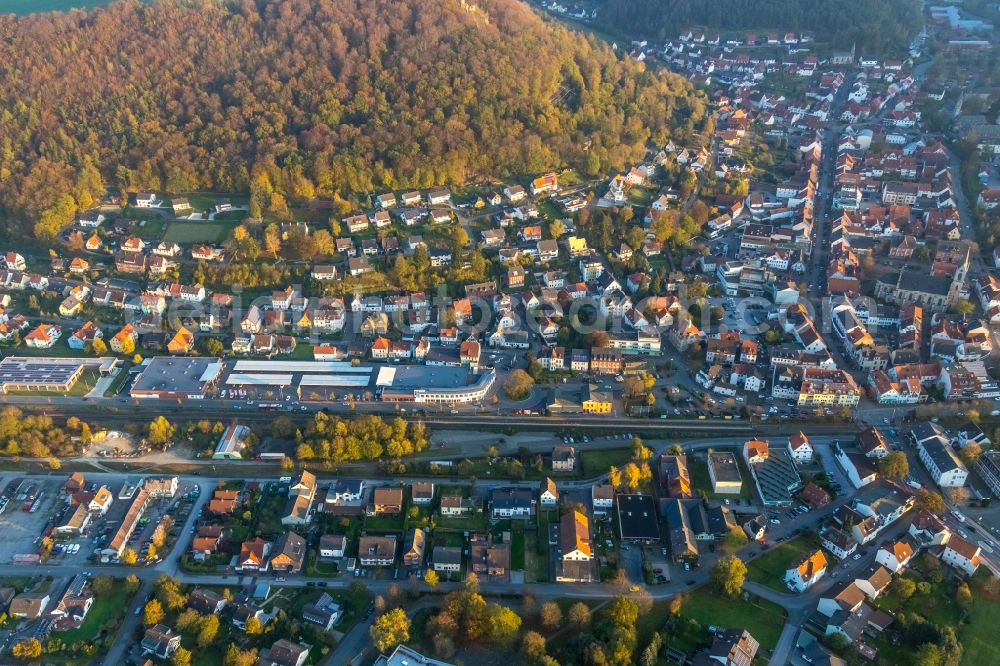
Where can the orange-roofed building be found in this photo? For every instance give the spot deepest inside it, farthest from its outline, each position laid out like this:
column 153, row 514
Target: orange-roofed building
column 895, row 555
column 574, row 537
column 182, row 342
column 253, row 555
column 755, row 451
column 800, row 448
column 806, row 571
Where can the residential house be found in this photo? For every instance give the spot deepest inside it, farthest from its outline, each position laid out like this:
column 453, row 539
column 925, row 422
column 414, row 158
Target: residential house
column 563, row 458
column 963, row 555
column 333, row 546
column 447, row 559
column 488, row 558
column 935, row 452
column 253, row 555
column 896, row 554
column 511, row 503
column 800, row 448
column 160, row 641
column 732, row 647
column 456, row 505
column 377, row 551
column 387, row 501
column 324, row 611
column 284, row 652
column 872, row 443
column 805, row 571
column 28, row 605
column 422, row 492
column 43, row 337
column 206, row 602
column 124, row 341
column 288, row 554
column 548, row 497
column 413, row 548
column 674, row 477
column 182, row 342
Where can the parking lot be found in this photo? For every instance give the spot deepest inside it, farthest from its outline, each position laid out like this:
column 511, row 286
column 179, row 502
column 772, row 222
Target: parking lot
column 22, row 529
column 659, row 561
column 631, row 562
column 31, row 505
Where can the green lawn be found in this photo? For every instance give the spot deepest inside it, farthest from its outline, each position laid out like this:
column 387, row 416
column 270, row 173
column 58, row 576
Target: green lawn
column 702, row 608
column 594, row 463
column 978, row 637
column 517, row 547
column 60, row 349
column 477, row 522
column 769, row 569
column 152, row 230
column 977, row 634
column 315, row 567
column 202, row 202
column 386, row 523
column 267, row 514
column 105, row 609
column 197, row 232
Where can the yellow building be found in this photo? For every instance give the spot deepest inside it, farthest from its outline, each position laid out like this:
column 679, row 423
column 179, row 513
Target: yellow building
column 596, row 402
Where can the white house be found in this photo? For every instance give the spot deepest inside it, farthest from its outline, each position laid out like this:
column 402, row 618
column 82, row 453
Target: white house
column 332, row 545
column 512, row 503
column 549, row 494
column 602, row 497
column 806, row 571
column 799, row 448
column 895, row 555
column 941, row 461
column 145, row 200
column 962, row 555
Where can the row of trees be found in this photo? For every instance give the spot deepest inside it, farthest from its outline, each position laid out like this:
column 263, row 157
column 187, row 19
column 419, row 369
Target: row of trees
column 38, row 436
column 334, row 439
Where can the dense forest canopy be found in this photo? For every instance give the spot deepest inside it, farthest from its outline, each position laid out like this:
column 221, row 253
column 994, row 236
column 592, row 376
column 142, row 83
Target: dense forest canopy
column 874, row 26
column 298, row 98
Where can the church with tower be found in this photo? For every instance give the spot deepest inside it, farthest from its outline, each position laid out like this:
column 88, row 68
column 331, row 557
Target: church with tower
column 939, row 289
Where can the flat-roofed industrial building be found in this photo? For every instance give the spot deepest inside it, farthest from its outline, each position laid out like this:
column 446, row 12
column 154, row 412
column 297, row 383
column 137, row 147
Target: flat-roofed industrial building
column 173, row 378
column 55, row 375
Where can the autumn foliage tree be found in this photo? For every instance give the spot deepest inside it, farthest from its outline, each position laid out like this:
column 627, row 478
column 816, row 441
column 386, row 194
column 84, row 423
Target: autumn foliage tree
column 336, row 100
column 390, row 629
column 728, row 574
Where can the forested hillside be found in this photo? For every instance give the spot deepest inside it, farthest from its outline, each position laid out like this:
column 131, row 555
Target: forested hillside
column 296, row 98
column 873, row 25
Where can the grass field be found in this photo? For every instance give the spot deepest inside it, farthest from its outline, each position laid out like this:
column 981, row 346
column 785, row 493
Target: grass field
column 597, row 462
column 702, row 608
column 104, row 610
column 769, row 569
column 979, row 636
column 197, row 232
column 35, row 6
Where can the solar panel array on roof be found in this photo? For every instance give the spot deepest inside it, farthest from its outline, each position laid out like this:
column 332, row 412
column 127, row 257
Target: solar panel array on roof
column 16, row 371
